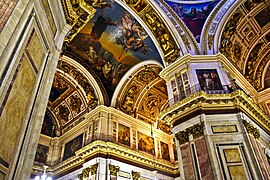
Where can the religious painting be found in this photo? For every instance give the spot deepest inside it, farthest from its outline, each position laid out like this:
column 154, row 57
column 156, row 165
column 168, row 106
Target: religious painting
column 208, row 79
column 112, row 42
column 72, row 146
column 41, row 153
column 193, row 14
column 165, row 154
column 58, row 88
column 48, row 123
column 146, row 143
column 123, row 134
column 263, row 17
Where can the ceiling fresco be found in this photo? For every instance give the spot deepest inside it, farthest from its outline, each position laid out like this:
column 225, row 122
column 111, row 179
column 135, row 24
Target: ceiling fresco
column 193, row 13
column 112, row 42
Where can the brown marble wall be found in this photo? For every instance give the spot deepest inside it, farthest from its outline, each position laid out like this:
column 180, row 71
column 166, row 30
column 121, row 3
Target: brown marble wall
column 258, row 154
column 187, row 161
column 267, row 165
column 6, row 8
column 203, row 158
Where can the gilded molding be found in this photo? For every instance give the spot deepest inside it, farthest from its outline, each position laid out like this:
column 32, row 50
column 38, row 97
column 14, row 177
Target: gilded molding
column 77, row 13
column 237, row 100
column 196, row 131
column 82, row 81
column 179, row 26
column 210, row 41
column 100, row 147
column 157, row 26
column 210, row 25
column 251, row 129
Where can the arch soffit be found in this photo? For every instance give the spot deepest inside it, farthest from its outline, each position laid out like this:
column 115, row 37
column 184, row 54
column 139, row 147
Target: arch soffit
column 246, row 46
column 128, row 78
column 89, row 77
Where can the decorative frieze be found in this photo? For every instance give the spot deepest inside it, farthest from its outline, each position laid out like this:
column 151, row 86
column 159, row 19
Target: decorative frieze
column 202, row 102
column 89, row 171
column 85, row 172
column 114, row 169
column 251, row 129
column 93, row 169
column 196, row 131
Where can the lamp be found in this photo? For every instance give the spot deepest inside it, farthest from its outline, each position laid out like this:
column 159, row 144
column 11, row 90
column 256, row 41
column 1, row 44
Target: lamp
column 43, row 176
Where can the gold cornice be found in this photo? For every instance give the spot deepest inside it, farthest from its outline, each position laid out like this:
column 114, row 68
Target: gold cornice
column 77, row 13
column 251, row 129
column 111, row 149
column 201, row 101
column 107, row 148
column 66, row 165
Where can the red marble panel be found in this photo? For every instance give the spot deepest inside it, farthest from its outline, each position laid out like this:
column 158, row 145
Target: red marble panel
column 187, row 162
column 203, row 158
column 258, row 155
column 264, row 159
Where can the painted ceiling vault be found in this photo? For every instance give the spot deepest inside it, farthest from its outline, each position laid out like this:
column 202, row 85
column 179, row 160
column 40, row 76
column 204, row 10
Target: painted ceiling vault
column 124, row 45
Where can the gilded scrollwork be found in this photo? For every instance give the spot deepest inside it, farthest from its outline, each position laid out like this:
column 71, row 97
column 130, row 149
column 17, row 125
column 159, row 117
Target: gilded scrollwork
column 135, row 175
column 113, row 169
column 86, row 172
column 147, row 75
column 75, row 103
column 77, row 14
column 196, row 131
column 182, row 136
column 164, row 127
column 228, row 34
column 251, row 129
column 252, row 62
column 63, row 113
column 138, row 5
column 82, row 81
column 80, row 176
column 210, row 41
column 167, row 44
column 186, row 41
column 93, row 169
column 129, row 100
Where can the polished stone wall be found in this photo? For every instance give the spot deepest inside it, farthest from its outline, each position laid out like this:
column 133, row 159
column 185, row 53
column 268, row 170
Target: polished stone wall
column 29, row 55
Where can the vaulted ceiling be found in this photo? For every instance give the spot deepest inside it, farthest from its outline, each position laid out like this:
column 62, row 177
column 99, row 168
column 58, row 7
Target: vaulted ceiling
column 116, row 49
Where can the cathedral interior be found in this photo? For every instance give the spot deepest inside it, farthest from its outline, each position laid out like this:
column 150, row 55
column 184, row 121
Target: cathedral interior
column 134, row 89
